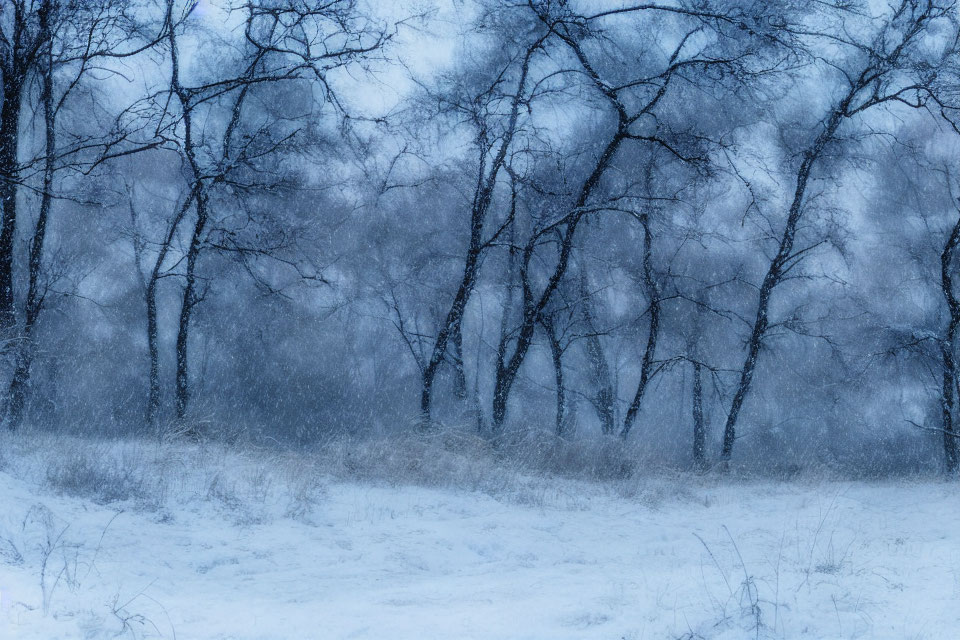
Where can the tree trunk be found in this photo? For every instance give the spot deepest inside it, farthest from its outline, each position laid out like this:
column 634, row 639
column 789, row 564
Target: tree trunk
column 189, row 300
column 699, row 429
column 452, row 322
column 508, row 303
column 477, row 402
column 781, row 263
column 946, row 404
column 9, row 180
column 556, row 352
column 946, row 349
column 150, row 300
column 153, row 400
column 460, row 376
column 653, row 333
column 603, row 400
column 19, row 383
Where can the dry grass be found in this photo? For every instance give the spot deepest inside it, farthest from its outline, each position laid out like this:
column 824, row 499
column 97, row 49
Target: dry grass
column 254, row 484
column 247, row 484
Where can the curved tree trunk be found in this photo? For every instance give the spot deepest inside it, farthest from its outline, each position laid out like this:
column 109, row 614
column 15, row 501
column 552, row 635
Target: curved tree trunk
column 784, row 260
column 483, row 197
column 507, row 369
column 653, row 294
column 189, row 300
column 453, row 320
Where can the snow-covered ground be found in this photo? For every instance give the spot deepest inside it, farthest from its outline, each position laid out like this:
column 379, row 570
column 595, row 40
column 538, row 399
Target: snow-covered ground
column 687, row 557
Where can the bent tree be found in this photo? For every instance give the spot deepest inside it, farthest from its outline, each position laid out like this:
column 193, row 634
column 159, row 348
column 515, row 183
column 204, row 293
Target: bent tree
column 636, row 104
column 888, row 67
column 280, row 44
column 493, row 148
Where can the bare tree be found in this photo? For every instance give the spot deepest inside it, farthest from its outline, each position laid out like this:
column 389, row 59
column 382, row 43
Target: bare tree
column 493, row 149
column 635, row 103
column 75, row 40
column 885, row 70
column 283, row 43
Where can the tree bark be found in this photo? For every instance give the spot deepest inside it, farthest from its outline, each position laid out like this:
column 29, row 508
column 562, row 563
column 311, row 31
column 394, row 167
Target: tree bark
column 153, row 348
column 556, row 353
column 604, row 398
column 19, row 383
column 947, row 345
column 13, row 82
column 699, row 429
column 189, row 300
column 512, row 278
column 653, row 333
column 460, row 375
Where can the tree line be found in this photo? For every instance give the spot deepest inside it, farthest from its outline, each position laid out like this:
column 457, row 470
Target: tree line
column 682, row 224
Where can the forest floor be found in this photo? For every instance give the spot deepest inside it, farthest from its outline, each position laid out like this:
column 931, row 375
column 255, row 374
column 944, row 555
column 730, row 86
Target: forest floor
column 231, row 546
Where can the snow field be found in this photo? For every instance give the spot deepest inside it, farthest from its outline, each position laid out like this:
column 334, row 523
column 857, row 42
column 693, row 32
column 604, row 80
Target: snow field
column 230, row 550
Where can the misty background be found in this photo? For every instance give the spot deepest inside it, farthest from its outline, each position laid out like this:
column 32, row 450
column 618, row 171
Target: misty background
column 720, row 230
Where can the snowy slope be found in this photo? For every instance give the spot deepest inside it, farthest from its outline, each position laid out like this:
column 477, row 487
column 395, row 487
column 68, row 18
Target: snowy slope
column 829, row 560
